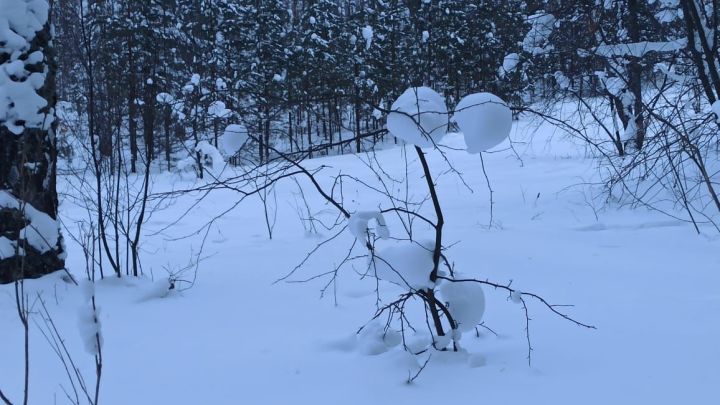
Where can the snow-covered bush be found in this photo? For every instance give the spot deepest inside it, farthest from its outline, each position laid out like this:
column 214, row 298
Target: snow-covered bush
column 453, row 304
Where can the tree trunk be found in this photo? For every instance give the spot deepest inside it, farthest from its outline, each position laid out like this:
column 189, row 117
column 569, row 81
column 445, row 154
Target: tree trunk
column 635, row 73
column 132, row 107
column 28, row 196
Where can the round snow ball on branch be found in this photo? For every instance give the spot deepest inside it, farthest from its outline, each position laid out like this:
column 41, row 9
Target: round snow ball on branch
column 466, row 302
column 419, row 117
column 484, row 119
column 406, row 264
column 374, row 339
column 233, row 138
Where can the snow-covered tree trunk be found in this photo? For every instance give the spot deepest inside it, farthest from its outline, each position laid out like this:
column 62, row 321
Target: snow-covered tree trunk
column 30, row 240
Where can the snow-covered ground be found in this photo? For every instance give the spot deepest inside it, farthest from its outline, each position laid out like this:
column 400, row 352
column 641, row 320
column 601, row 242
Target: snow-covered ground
column 649, row 284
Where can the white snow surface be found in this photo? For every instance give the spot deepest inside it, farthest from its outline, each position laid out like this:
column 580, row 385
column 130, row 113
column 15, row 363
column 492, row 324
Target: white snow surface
column 90, row 329
column 648, row 282
column 419, row 117
column 484, row 119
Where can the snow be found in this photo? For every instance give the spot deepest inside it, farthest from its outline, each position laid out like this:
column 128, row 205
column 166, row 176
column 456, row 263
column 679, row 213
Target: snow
column 217, row 109
column 358, row 224
column 476, row 360
column 7, row 248
column 90, row 329
column 211, row 157
column 233, row 139
column 164, row 98
column 373, row 339
column 466, row 302
column 631, row 131
column 639, row 49
column 20, row 104
column 615, row 85
column 42, row 231
column 20, row 20
column 562, row 81
column 484, row 119
column 716, row 110
column 419, row 117
column 407, row 264
column 510, row 62
column 425, row 36
column 648, row 282
column 541, row 27
column 367, row 33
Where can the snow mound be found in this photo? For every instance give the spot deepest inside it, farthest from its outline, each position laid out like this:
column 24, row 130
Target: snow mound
column 419, row 117
column 466, row 302
column 210, row 156
column 406, row 264
column 484, row 119
column 233, row 139
column 90, row 329
column 374, row 339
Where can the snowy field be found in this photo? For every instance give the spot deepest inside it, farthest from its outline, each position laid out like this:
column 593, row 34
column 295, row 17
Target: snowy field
column 650, row 285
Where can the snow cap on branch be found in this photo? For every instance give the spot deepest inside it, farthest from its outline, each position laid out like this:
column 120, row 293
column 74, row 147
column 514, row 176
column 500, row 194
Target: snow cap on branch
column 233, row 139
column 484, row 119
column 419, row 117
